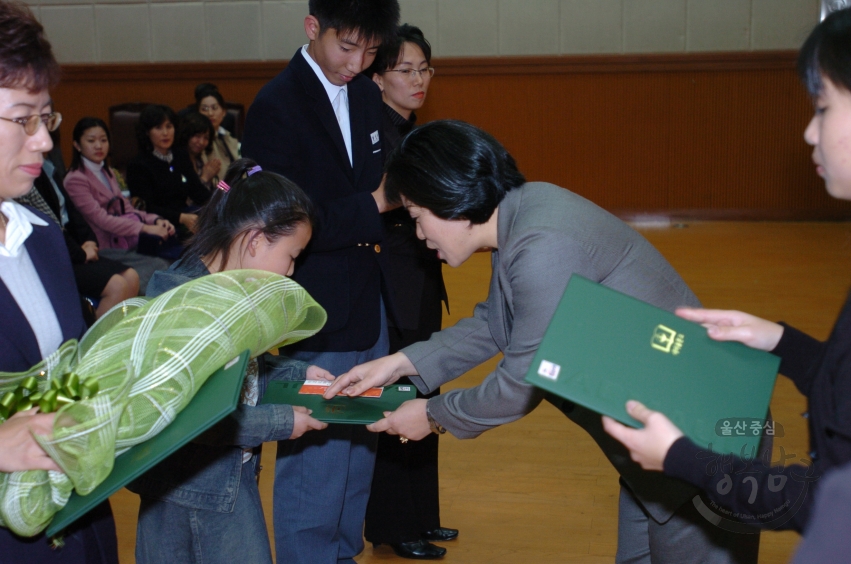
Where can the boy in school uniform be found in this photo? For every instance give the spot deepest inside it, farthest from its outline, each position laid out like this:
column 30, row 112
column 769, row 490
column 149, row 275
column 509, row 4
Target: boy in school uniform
column 318, row 124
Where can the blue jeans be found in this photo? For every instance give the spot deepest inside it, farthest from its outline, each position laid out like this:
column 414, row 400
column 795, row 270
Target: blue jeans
column 322, row 479
column 168, row 532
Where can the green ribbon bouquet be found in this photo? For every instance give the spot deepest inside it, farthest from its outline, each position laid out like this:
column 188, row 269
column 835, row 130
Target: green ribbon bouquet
column 134, row 371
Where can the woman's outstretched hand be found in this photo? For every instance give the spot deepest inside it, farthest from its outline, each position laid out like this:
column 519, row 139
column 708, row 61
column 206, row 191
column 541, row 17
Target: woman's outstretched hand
column 729, row 325
column 379, row 372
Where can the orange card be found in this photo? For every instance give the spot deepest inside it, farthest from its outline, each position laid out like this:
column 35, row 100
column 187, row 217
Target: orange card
column 318, row 387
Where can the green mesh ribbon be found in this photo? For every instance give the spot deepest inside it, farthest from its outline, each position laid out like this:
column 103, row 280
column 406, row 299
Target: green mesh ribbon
column 148, row 358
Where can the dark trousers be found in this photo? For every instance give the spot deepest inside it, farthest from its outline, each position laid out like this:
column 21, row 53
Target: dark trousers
column 404, row 501
column 90, row 540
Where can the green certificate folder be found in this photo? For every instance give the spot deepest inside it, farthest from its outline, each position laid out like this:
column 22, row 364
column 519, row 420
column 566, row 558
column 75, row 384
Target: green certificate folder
column 603, row 348
column 217, row 398
column 341, row 409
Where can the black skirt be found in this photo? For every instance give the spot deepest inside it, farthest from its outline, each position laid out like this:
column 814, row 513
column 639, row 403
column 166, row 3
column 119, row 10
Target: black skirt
column 92, row 277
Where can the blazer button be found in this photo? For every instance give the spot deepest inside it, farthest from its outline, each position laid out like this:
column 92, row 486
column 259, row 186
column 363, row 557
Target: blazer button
column 377, row 248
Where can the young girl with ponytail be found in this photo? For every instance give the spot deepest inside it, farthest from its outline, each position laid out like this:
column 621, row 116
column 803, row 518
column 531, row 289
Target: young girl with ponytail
column 202, row 503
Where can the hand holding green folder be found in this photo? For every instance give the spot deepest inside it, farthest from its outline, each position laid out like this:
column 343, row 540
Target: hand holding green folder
column 603, row 348
column 359, row 410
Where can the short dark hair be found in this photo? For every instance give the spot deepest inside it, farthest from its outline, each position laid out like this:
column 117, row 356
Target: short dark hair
column 26, row 58
column 80, row 129
column 371, row 20
column 191, row 125
column 827, row 52
column 262, row 200
column 453, row 169
column 208, row 89
column 391, row 50
column 151, row 117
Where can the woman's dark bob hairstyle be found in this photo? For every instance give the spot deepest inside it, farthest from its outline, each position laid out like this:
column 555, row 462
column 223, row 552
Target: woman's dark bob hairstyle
column 453, row 169
column 265, row 201
column 391, row 50
column 26, row 58
column 193, row 124
column 80, row 129
column 827, row 53
column 151, row 117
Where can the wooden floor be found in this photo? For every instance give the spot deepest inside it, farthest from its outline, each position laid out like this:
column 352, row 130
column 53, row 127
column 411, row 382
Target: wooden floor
column 538, row 490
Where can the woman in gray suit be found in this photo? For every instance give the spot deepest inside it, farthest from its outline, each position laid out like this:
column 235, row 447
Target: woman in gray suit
column 464, row 191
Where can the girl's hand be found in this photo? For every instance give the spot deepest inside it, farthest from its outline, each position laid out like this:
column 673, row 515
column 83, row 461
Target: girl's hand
column 157, row 230
column 316, row 373
column 188, row 220
column 91, row 249
column 303, row 422
column 728, row 325
column 647, row 446
column 20, row 451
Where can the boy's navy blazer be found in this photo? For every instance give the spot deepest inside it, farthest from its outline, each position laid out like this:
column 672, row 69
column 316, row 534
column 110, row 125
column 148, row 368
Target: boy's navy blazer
column 291, row 129
column 18, row 346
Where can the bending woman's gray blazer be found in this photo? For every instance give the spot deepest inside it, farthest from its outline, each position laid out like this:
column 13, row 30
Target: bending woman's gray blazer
column 546, row 234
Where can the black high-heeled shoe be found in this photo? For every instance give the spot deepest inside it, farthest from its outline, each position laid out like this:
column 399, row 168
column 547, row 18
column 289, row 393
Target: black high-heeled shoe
column 441, row 534
column 416, row 550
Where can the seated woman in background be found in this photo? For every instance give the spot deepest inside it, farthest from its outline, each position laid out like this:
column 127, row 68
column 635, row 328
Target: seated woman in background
column 165, row 180
column 193, row 138
column 94, row 190
column 404, row 503
column 98, row 277
column 39, row 306
column 210, row 102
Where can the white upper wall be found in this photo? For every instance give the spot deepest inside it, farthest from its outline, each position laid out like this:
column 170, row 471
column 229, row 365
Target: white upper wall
column 94, row 31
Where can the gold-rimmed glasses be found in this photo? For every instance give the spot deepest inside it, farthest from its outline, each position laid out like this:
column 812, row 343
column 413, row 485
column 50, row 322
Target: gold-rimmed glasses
column 30, row 123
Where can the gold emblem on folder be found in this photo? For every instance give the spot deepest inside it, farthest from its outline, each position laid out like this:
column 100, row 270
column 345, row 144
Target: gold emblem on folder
column 667, row 340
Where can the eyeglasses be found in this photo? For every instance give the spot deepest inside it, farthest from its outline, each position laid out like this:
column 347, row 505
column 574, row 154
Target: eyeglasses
column 30, row 123
column 213, row 108
column 411, row 74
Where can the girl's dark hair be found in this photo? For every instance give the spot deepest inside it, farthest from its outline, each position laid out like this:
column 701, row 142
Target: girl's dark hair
column 80, row 129
column 263, row 200
column 453, row 169
column 391, row 50
column 208, row 89
column 191, row 125
column 26, row 58
column 827, row 52
column 151, row 117
column 370, row 20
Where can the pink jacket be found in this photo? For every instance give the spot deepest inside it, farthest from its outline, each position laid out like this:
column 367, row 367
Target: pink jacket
column 92, row 198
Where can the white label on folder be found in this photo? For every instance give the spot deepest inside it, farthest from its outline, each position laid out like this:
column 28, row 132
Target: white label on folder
column 549, row 370
column 404, row 388
column 231, row 363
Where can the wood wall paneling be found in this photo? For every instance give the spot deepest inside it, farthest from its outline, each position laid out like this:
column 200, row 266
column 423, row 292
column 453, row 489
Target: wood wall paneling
column 691, row 135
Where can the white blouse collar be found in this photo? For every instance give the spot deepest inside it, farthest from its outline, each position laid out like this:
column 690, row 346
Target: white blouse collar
column 19, row 226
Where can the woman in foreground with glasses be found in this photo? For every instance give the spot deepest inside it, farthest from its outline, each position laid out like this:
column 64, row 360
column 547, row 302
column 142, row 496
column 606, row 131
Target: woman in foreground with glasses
column 39, row 305
column 404, row 504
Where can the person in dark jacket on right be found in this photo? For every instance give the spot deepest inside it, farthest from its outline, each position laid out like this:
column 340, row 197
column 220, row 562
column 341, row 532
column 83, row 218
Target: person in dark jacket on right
column 778, row 497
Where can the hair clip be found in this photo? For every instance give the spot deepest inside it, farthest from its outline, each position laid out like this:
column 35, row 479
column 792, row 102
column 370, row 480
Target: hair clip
column 223, row 186
column 254, row 169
